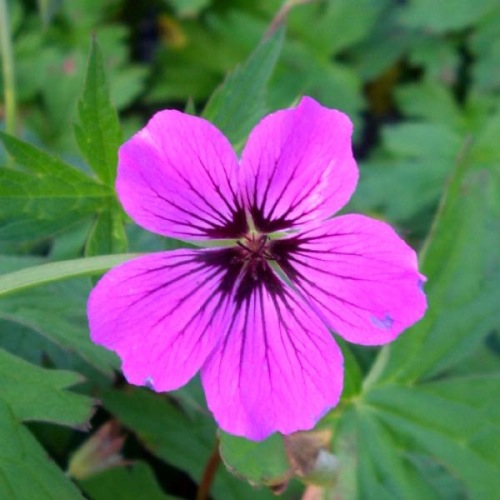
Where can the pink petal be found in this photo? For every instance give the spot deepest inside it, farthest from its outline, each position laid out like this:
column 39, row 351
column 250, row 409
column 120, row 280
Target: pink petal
column 298, row 166
column 278, row 368
column 358, row 275
column 176, row 177
column 162, row 314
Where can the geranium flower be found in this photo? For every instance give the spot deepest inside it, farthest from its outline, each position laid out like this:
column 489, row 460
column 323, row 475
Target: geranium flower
column 254, row 315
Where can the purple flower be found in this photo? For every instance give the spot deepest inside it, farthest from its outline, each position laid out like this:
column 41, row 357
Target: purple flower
column 254, row 314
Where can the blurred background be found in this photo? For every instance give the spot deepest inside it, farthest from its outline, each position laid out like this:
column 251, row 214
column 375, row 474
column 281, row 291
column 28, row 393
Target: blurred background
column 415, row 76
column 421, row 81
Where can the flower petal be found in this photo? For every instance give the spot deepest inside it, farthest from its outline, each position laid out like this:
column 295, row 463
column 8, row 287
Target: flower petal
column 163, row 313
column 278, row 369
column 298, row 166
column 176, row 177
column 358, row 275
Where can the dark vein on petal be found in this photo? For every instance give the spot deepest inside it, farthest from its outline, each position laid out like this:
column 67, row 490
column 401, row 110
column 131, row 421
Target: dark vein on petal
column 241, row 365
column 286, row 186
column 233, row 209
column 217, row 188
column 312, row 289
column 291, row 311
column 323, row 270
column 184, row 210
column 219, row 225
column 197, row 207
column 265, row 337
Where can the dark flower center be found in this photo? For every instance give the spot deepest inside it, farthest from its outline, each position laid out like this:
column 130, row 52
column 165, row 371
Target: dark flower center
column 255, row 246
column 253, row 252
column 245, row 268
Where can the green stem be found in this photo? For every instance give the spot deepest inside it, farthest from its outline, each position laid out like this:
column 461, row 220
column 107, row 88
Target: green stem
column 18, row 281
column 7, row 69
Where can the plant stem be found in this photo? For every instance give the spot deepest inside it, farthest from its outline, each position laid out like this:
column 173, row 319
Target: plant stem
column 29, row 277
column 7, row 69
column 211, row 467
column 280, row 18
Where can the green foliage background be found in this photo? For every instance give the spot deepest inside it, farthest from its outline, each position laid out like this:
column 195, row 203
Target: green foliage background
column 421, row 80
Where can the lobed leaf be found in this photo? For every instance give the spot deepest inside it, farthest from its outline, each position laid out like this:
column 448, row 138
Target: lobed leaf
column 417, row 429
column 26, row 471
column 98, row 134
column 47, row 196
column 462, row 266
column 44, row 394
column 31, row 393
column 460, row 433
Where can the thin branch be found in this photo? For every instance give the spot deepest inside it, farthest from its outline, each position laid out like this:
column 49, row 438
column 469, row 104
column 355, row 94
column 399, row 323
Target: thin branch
column 211, row 467
column 280, row 18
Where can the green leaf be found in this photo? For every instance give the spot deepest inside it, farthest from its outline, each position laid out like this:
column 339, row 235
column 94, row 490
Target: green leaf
column 352, row 370
column 44, row 395
column 462, row 264
column 185, row 440
column 438, row 58
column 431, row 101
column 485, row 47
column 108, row 234
column 98, row 133
column 31, row 393
column 165, row 430
column 24, row 230
column 62, row 321
column 45, row 197
column 56, row 271
column 485, row 150
column 99, row 136
column 69, row 244
column 350, row 20
column 446, row 14
column 420, row 430
column 126, row 483
column 126, row 84
column 376, row 56
column 263, row 462
column 49, row 195
column 407, row 139
column 377, row 462
column 26, row 471
column 462, row 431
column 331, row 83
column 239, row 103
column 41, row 163
column 397, row 476
column 415, row 174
